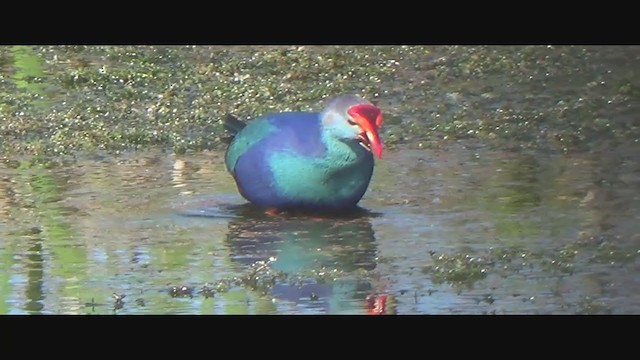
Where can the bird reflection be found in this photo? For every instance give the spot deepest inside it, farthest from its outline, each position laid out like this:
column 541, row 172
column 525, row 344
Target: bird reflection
column 298, row 245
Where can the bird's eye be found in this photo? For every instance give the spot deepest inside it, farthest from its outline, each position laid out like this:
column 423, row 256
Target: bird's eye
column 351, row 122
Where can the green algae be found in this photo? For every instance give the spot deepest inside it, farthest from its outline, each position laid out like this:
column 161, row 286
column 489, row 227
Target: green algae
column 118, row 98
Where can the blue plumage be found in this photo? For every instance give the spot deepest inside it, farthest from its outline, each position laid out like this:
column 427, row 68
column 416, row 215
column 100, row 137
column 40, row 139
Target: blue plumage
column 294, row 160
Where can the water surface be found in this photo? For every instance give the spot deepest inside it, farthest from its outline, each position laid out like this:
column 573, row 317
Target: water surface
column 463, row 229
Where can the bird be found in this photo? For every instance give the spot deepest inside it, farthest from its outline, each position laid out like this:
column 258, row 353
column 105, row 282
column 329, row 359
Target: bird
column 317, row 162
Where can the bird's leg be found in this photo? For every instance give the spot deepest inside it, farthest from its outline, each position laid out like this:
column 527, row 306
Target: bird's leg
column 272, row 212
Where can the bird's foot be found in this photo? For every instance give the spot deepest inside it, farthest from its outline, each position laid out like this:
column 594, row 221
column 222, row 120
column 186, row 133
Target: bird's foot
column 272, row 212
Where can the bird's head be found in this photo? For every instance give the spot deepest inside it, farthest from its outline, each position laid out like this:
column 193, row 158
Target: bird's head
column 350, row 117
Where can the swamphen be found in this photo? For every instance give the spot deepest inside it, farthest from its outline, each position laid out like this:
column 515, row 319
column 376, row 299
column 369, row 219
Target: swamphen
column 306, row 161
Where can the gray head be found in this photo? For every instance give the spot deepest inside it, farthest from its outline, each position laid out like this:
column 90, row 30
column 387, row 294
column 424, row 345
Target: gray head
column 352, row 117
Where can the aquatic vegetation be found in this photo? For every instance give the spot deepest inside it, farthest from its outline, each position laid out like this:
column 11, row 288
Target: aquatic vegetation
column 64, row 99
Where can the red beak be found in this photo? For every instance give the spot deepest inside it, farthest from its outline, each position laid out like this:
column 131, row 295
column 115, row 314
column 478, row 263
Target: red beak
column 369, row 118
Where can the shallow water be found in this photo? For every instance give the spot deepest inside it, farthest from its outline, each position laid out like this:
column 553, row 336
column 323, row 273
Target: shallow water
column 463, row 229
column 459, row 228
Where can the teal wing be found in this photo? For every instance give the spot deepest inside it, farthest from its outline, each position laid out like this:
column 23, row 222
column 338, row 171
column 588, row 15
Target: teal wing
column 245, row 139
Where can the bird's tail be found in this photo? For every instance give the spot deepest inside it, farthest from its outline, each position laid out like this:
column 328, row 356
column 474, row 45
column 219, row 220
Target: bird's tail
column 233, row 125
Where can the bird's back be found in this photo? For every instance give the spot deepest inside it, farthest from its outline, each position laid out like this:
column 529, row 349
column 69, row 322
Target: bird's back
column 297, row 132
